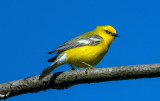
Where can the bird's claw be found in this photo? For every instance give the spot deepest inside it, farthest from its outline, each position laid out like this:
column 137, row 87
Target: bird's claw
column 91, row 67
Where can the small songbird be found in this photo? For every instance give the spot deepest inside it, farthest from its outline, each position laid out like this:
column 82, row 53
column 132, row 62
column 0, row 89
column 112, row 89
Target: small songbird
column 86, row 50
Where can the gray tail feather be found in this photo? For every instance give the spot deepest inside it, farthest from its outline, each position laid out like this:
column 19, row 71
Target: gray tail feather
column 52, row 59
column 46, row 71
column 51, row 52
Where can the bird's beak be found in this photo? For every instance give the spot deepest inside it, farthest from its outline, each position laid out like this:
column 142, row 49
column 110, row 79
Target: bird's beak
column 115, row 35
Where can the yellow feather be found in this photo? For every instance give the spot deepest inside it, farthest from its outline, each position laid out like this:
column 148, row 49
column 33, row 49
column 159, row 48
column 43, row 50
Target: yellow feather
column 91, row 54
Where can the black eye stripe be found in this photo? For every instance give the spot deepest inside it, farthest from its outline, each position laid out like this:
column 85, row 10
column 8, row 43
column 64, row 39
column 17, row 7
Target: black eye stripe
column 108, row 32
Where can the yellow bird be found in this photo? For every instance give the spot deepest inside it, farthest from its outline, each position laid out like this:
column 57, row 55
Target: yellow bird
column 86, row 50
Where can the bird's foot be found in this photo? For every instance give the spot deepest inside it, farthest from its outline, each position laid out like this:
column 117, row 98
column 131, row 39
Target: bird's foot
column 91, row 67
column 72, row 68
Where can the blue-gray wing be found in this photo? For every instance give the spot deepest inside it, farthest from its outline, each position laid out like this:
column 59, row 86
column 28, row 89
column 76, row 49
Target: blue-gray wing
column 89, row 40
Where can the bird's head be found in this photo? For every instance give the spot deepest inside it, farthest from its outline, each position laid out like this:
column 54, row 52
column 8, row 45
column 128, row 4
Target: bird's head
column 107, row 29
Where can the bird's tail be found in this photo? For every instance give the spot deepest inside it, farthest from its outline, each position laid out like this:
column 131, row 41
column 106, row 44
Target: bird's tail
column 58, row 60
column 48, row 70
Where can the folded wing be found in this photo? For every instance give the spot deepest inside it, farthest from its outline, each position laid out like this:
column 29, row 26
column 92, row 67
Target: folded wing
column 84, row 40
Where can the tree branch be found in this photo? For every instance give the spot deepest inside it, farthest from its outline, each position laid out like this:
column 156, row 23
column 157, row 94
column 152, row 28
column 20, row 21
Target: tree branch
column 61, row 80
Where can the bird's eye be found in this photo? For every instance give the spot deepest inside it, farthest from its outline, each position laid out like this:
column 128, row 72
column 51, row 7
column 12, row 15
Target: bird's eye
column 108, row 32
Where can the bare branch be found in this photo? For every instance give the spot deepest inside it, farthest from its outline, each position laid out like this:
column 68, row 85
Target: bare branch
column 66, row 79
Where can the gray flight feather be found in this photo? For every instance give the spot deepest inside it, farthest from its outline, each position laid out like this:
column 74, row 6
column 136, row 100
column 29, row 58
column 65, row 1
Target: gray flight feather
column 84, row 40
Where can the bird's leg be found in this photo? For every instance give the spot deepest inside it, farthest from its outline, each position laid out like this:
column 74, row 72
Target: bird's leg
column 90, row 67
column 72, row 68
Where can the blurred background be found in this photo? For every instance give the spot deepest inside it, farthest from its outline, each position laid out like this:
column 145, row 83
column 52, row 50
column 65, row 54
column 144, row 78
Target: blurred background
column 31, row 28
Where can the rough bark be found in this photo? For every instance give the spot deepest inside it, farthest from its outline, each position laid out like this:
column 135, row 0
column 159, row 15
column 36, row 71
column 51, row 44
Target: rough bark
column 61, row 80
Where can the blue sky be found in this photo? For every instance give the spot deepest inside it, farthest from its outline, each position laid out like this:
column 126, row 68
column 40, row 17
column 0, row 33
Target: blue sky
column 31, row 28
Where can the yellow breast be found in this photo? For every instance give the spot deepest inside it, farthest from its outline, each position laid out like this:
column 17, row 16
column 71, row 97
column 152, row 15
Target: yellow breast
column 89, row 54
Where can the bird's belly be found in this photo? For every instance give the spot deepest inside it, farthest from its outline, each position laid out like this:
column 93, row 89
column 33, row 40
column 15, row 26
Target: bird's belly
column 91, row 55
